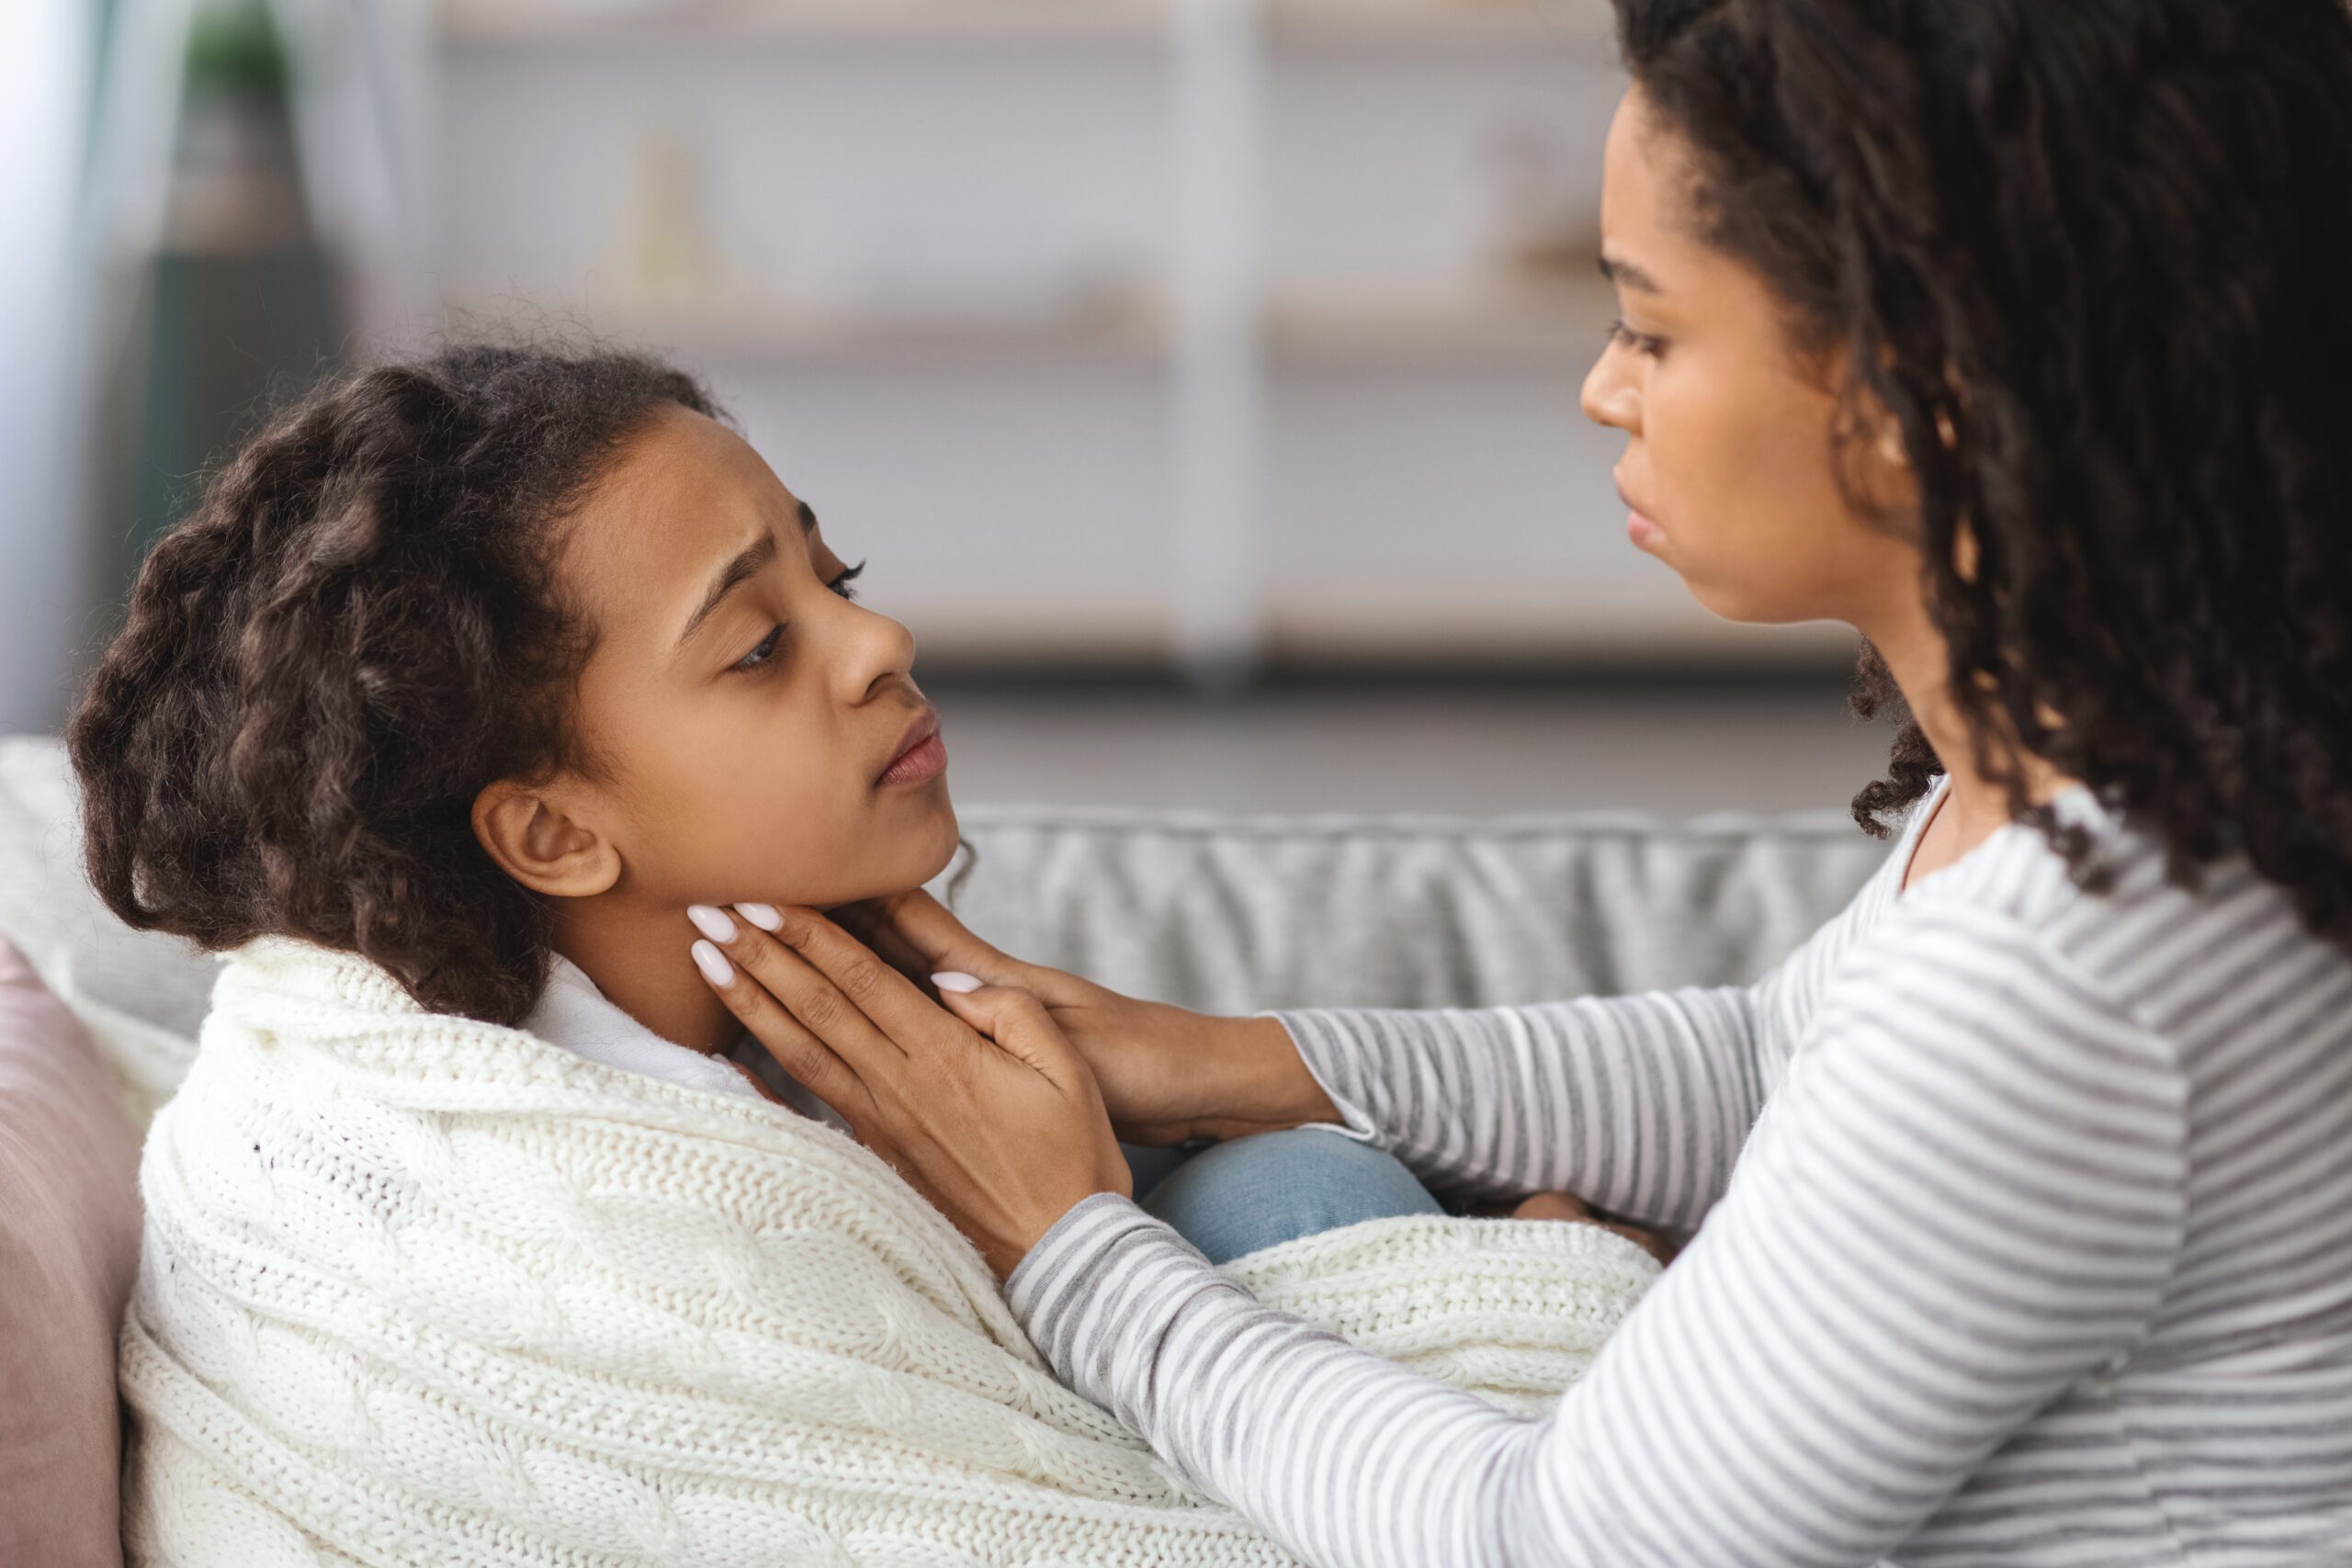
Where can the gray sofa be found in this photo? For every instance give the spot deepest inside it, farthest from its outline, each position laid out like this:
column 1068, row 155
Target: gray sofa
column 1227, row 914
column 1232, row 914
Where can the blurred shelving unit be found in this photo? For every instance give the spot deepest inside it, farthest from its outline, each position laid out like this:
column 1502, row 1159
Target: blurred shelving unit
column 1197, row 331
column 484, row 25
column 1425, row 24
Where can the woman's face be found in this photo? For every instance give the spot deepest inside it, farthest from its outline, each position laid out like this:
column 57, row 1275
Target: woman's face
column 1729, row 465
column 744, row 710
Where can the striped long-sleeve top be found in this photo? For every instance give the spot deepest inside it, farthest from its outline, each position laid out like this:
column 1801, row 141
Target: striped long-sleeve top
column 2026, row 1240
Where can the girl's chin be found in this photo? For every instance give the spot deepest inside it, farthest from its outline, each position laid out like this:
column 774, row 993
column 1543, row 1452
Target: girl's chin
column 931, row 842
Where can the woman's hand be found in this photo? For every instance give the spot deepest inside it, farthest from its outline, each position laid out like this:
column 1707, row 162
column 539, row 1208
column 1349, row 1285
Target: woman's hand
column 1166, row 1074
column 986, row 1112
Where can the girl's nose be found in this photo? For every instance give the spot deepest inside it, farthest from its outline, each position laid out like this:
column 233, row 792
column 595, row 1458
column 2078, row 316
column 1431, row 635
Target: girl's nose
column 883, row 650
column 1610, row 397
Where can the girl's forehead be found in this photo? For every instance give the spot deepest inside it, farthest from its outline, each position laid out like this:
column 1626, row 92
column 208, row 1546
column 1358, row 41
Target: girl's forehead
column 683, row 497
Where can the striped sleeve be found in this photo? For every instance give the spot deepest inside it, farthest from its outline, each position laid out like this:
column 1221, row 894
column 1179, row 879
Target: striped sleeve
column 1967, row 1195
column 1638, row 1103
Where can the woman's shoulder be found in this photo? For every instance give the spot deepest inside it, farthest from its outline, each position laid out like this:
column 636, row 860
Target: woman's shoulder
column 2122, row 895
column 2121, row 931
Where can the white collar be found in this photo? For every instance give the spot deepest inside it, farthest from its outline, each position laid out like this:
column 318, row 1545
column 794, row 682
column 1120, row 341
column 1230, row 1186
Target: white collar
column 572, row 1013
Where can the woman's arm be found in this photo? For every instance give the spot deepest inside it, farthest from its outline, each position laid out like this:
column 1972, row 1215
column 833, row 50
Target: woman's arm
column 1967, row 1196
column 1638, row 1103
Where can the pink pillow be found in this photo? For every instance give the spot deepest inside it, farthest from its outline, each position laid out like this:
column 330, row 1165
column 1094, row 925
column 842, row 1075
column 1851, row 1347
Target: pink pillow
column 69, row 1247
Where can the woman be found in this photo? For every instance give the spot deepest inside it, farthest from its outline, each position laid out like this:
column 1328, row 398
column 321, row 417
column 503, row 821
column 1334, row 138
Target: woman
column 2016, row 336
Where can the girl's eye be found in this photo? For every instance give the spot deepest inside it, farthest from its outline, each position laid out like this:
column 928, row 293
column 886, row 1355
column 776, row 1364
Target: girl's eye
column 761, row 654
column 1639, row 341
column 766, row 650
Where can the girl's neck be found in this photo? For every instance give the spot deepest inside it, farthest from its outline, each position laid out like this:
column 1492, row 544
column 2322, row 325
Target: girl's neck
column 639, row 962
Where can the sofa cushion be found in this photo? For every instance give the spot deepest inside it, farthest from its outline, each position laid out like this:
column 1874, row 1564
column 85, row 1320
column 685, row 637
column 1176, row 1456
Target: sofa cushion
column 69, row 1247
column 140, row 994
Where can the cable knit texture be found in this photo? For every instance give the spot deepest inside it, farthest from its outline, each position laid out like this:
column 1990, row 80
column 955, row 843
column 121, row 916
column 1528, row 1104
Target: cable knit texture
column 416, row 1289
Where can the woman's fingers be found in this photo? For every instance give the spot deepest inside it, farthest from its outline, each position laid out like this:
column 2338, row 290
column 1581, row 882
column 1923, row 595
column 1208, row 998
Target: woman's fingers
column 831, row 982
column 812, row 1064
column 942, row 941
column 868, row 920
column 1016, row 1020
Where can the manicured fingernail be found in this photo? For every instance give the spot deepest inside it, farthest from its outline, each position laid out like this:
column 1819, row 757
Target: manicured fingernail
column 712, row 963
column 761, row 915
column 955, row 980
column 712, row 923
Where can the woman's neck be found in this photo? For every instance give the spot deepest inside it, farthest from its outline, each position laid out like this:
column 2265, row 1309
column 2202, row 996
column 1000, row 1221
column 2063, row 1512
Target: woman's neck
column 639, row 962
column 1915, row 655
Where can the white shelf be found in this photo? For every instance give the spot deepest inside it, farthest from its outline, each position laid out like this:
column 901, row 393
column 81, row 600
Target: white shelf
column 1179, row 376
column 1377, row 24
column 1539, row 327
column 1130, row 336
column 539, row 24
column 1536, row 325
column 1445, row 24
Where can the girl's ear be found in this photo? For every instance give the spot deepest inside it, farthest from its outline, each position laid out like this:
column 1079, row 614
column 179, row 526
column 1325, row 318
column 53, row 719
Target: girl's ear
column 526, row 830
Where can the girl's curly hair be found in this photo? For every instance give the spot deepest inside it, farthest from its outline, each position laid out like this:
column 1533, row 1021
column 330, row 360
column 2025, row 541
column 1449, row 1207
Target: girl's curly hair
column 2094, row 259
column 354, row 632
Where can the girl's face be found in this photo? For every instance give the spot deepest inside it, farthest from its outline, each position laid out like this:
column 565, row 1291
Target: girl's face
column 1729, row 466
column 745, row 711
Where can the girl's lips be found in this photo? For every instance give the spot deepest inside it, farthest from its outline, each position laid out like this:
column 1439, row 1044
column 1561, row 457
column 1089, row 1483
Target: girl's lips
column 927, row 759
column 1639, row 525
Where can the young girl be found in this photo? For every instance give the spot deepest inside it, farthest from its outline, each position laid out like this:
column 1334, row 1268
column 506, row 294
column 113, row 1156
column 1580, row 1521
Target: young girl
column 469, row 682
column 2018, row 336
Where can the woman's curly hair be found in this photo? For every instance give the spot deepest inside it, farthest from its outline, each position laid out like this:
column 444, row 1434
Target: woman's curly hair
column 354, row 632
column 2096, row 261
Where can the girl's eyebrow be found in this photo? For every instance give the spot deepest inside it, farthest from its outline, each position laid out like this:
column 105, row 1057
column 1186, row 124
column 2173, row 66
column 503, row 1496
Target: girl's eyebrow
column 747, row 564
column 1626, row 274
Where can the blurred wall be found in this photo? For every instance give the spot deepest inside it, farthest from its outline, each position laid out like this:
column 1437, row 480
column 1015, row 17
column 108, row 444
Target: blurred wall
column 45, row 73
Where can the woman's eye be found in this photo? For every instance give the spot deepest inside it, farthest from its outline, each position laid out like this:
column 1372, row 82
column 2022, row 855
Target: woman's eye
column 841, row 583
column 1639, row 341
column 760, row 654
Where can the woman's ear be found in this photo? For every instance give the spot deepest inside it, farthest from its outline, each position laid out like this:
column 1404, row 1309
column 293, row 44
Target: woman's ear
column 527, row 830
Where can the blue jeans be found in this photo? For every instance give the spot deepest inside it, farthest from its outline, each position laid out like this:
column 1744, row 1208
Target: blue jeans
column 1233, row 1197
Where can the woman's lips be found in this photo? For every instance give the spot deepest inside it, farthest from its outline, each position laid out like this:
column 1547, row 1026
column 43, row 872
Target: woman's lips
column 921, row 756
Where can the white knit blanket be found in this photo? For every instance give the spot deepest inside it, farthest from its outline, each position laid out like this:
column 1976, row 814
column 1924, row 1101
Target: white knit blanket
column 421, row 1290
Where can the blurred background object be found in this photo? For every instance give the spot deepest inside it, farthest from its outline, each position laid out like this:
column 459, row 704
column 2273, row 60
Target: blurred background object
column 232, row 301
column 1201, row 374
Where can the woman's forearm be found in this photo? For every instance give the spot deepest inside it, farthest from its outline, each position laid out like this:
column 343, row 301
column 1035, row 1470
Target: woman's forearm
column 1825, row 1366
column 1638, row 1103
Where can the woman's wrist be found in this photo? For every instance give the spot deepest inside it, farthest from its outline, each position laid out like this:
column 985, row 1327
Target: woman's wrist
column 1264, row 1081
